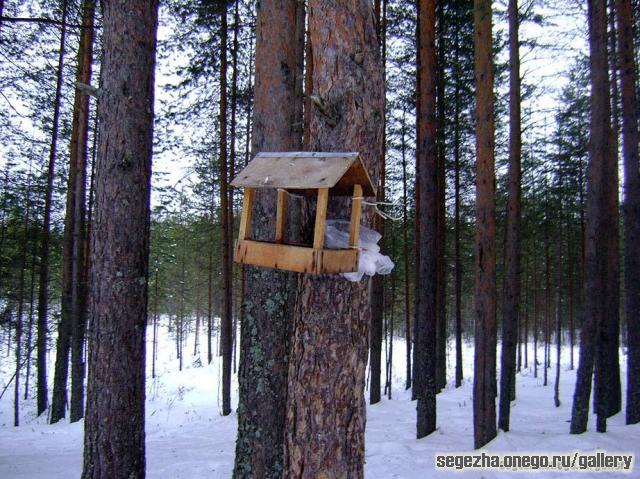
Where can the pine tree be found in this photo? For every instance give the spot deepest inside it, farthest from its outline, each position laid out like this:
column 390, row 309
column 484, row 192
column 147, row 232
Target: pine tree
column 325, row 425
column 484, row 379
column 114, row 425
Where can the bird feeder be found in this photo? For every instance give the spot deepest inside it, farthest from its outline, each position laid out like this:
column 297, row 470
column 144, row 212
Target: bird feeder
column 306, row 173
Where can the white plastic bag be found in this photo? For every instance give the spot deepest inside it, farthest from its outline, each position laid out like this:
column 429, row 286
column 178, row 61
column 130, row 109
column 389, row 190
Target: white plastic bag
column 371, row 260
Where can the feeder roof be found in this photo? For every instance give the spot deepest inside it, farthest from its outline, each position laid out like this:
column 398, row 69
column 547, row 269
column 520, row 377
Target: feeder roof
column 303, row 171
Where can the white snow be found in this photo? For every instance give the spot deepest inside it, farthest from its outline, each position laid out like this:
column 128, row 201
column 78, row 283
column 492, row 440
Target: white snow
column 188, row 438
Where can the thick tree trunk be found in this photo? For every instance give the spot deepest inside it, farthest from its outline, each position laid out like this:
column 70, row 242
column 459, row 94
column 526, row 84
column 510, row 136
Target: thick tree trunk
column 270, row 294
column 427, row 180
column 114, row 424
column 43, row 282
column 484, row 380
column 595, row 300
column 325, row 404
column 511, row 294
column 628, row 83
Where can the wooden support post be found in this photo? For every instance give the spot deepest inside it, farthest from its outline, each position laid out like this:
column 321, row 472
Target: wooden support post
column 321, row 218
column 356, row 212
column 247, row 210
column 281, row 215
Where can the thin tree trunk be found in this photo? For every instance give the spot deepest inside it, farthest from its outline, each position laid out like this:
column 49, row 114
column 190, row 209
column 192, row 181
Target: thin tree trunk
column 628, row 82
column 441, row 275
column 427, row 179
column 114, row 439
column 484, row 380
column 79, row 155
column 612, row 318
column 226, row 313
column 32, row 289
column 43, row 283
column 19, row 322
column 547, row 289
column 405, row 252
column 511, row 294
column 458, row 261
column 325, row 424
column 155, row 325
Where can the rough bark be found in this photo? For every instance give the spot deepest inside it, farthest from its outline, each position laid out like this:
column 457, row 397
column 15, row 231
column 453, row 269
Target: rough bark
column 441, row 274
column 511, row 293
column 270, row 294
column 631, row 206
column 595, row 236
column 43, row 280
column 484, row 379
column 325, row 404
column 79, row 141
column 427, row 180
column 114, row 424
column 226, row 309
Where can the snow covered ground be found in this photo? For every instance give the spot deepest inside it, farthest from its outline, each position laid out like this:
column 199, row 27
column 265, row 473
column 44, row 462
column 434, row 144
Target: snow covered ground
column 187, row 437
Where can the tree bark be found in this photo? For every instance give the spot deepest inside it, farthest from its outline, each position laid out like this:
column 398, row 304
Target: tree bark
column 226, row 313
column 427, row 180
column 441, row 274
column 631, row 206
column 484, row 380
column 325, row 404
column 270, row 294
column 595, row 235
column 43, row 282
column 79, row 135
column 511, row 294
column 114, row 444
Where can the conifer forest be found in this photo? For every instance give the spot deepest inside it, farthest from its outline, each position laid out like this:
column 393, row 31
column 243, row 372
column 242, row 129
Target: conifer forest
column 319, row 238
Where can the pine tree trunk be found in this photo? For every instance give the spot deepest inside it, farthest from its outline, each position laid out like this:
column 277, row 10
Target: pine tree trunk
column 270, row 294
column 441, row 275
column 79, row 134
column 43, row 282
column 458, row 261
column 405, row 253
column 19, row 322
column 484, row 380
column 114, row 444
column 325, row 403
column 427, row 180
column 511, row 294
column 377, row 283
column 612, row 318
column 628, row 82
column 226, row 313
column 595, row 237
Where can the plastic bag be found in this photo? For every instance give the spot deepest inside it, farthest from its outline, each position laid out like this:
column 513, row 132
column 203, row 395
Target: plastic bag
column 371, row 260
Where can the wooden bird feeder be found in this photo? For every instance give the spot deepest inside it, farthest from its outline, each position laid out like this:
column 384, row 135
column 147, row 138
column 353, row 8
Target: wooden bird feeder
column 306, row 173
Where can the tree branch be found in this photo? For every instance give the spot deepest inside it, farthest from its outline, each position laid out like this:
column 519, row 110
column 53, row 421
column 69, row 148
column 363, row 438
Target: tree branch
column 43, row 20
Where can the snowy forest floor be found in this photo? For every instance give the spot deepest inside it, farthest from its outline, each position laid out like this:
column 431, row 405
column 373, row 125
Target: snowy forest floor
column 188, row 438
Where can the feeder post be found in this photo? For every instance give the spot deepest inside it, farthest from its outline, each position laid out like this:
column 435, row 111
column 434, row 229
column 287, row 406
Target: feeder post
column 356, row 212
column 281, row 215
column 247, row 209
column 321, row 218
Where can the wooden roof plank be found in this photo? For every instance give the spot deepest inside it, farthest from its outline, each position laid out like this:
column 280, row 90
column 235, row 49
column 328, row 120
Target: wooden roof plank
column 306, row 171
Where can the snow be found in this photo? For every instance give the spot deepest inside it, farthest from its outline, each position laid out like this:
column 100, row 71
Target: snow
column 188, row 438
